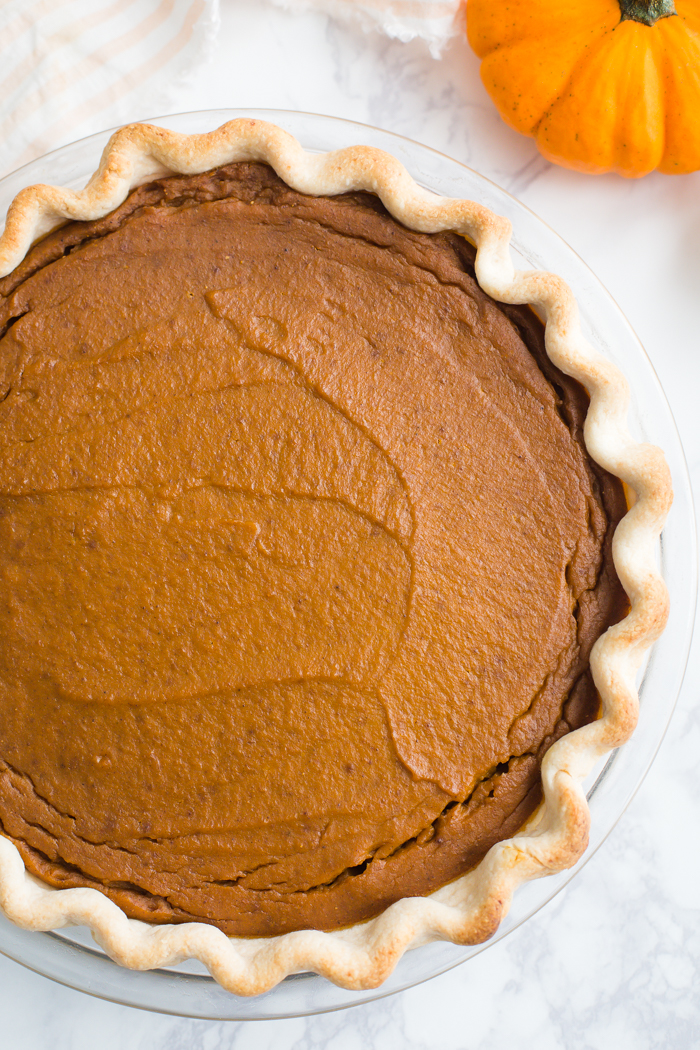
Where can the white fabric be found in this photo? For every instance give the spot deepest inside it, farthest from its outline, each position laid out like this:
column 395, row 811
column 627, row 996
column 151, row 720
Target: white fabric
column 432, row 20
column 72, row 67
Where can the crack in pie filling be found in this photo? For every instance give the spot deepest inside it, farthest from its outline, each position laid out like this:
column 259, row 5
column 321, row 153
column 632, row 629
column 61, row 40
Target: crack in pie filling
column 302, row 557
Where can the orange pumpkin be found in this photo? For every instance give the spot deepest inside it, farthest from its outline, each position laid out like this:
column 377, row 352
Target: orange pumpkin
column 602, row 85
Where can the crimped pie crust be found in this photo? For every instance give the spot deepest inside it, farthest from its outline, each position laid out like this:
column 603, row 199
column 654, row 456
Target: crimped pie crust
column 468, row 910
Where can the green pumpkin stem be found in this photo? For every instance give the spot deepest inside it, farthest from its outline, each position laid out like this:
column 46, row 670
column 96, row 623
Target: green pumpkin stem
column 646, row 11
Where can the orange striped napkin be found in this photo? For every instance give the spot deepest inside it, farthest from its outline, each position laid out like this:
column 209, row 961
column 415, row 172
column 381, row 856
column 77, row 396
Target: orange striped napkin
column 72, row 67
column 433, row 20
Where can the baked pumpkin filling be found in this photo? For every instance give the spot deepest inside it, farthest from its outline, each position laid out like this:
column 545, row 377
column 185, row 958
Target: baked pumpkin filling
column 302, row 557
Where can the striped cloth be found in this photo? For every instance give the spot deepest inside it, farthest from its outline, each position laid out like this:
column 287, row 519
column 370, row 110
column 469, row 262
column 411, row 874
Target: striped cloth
column 433, row 20
column 73, row 67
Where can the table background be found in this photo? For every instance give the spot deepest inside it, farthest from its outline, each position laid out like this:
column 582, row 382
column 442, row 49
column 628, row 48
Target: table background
column 613, row 961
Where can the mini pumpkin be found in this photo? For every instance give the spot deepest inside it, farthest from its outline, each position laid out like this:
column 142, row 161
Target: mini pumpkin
column 602, row 85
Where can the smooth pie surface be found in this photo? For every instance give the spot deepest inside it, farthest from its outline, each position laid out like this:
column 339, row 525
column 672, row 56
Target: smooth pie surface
column 301, row 557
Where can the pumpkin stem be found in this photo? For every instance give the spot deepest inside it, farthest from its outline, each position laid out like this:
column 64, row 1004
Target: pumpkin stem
column 646, row 11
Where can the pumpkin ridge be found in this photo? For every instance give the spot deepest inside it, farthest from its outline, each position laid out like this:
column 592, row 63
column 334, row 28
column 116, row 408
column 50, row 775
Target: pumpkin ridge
column 493, row 25
column 592, row 127
column 584, row 56
column 677, row 47
column 495, row 69
column 688, row 12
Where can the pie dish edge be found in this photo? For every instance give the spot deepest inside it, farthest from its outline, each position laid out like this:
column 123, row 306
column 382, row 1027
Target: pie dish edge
column 470, row 909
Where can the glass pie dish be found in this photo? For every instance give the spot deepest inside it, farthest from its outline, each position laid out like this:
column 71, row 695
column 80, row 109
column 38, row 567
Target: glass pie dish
column 187, row 989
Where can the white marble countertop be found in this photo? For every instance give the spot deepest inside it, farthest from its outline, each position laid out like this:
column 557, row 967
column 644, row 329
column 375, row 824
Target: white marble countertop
column 613, row 963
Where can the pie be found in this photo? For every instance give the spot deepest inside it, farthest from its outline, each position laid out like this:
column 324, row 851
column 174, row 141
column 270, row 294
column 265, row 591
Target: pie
column 302, row 555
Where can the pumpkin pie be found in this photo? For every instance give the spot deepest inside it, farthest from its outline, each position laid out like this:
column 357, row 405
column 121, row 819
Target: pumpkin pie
column 302, row 556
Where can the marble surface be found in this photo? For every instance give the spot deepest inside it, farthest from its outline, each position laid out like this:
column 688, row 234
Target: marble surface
column 613, row 962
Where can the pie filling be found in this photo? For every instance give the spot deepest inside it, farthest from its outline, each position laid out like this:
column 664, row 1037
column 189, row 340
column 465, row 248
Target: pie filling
column 302, row 557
